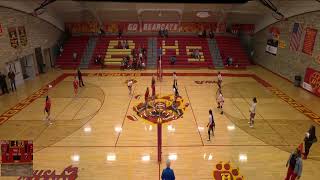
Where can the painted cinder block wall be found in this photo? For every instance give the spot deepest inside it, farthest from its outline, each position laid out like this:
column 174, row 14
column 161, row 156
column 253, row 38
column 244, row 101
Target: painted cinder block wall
column 288, row 63
column 39, row 34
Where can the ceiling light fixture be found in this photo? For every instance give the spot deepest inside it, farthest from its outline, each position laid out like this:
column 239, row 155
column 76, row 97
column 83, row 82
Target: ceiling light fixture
column 203, row 14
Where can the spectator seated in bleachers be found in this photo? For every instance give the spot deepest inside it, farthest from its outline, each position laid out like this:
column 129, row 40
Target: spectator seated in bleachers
column 173, row 60
column 61, row 50
column 211, row 34
column 98, row 60
column 202, row 34
column 229, row 61
column 166, row 33
column 120, row 33
column 163, row 33
column 74, row 55
column 196, row 54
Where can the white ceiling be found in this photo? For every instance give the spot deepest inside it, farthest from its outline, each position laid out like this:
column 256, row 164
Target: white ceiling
column 252, row 12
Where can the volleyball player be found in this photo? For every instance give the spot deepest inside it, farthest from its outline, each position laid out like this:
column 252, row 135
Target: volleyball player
column 153, row 87
column 211, row 124
column 130, row 82
column 220, row 101
column 252, row 111
column 75, row 85
column 175, row 79
column 146, row 97
column 219, row 82
column 47, row 109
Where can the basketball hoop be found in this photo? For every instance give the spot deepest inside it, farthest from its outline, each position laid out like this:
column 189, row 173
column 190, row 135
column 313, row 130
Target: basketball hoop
column 278, row 16
column 38, row 12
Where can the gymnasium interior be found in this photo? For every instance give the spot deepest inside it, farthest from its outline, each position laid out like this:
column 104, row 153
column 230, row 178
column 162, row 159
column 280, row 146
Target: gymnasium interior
column 118, row 89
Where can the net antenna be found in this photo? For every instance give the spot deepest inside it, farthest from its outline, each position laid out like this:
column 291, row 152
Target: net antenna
column 42, row 7
column 276, row 13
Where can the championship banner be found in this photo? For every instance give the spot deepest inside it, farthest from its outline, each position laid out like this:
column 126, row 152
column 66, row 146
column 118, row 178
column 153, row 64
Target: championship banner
column 82, row 27
column 1, row 30
column 309, row 41
column 273, row 41
column 282, row 44
column 22, row 35
column 221, row 27
column 312, row 81
column 13, row 37
column 243, row 28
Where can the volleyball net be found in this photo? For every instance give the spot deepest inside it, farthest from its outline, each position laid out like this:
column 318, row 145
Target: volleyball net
column 159, row 68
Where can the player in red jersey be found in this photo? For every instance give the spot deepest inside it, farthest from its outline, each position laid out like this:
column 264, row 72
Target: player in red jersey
column 75, row 85
column 146, row 97
column 47, row 109
column 153, row 87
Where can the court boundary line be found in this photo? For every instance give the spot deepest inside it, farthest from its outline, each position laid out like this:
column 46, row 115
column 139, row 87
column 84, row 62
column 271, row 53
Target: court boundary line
column 194, row 116
column 27, row 101
column 124, row 118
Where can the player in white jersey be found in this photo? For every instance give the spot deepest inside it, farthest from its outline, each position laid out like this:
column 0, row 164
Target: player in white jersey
column 220, row 101
column 130, row 82
column 211, row 124
column 219, row 82
column 252, row 111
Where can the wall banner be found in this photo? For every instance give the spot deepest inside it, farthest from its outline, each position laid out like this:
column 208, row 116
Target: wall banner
column 22, row 36
column 171, row 26
column 13, row 37
column 312, row 81
column 1, row 31
column 273, row 41
column 309, row 41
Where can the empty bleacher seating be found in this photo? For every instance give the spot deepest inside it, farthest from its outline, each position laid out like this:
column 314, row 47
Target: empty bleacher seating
column 231, row 47
column 76, row 44
column 182, row 47
column 112, row 54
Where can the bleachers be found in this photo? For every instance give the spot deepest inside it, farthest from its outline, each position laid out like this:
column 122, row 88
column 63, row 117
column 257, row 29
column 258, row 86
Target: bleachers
column 112, row 55
column 181, row 47
column 76, row 44
column 231, row 47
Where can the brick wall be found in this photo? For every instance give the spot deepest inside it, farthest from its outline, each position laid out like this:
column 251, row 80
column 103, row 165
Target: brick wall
column 39, row 34
column 288, row 63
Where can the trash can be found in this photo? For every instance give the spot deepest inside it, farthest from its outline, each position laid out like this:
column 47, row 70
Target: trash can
column 297, row 80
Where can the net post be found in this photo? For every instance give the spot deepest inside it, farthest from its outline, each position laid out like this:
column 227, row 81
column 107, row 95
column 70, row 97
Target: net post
column 159, row 133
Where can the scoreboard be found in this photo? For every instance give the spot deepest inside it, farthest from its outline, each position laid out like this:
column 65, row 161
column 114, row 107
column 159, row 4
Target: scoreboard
column 16, row 151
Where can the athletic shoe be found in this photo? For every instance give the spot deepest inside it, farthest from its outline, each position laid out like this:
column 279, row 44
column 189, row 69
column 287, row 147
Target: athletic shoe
column 208, row 139
column 221, row 112
column 251, row 126
column 249, row 122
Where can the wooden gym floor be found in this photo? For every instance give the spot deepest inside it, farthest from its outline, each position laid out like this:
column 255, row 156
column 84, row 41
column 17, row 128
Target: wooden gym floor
column 92, row 132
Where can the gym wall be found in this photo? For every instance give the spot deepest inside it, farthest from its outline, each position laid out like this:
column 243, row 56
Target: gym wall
column 288, row 63
column 39, row 34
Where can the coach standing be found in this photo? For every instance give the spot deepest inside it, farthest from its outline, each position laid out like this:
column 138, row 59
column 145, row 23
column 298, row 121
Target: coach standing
column 12, row 77
column 3, row 83
column 80, row 78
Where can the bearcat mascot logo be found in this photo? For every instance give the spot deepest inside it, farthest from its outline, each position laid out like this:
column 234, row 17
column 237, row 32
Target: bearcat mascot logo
column 224, row 171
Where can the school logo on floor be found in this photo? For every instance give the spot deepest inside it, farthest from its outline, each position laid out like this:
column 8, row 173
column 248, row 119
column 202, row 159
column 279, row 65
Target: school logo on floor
column 162, row 109
column 69, row 172
column 224, row 171
column 205, row 82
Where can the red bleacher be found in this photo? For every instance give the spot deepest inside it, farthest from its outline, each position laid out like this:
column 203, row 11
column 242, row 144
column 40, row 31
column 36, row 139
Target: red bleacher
column 182, row 57
column 102, row 49
column 76, row 44
column 231, row 47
